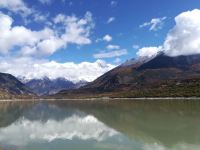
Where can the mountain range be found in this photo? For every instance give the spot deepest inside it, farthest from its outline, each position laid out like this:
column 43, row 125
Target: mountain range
column 46, row 86
column 158, row 76
column 161, row 76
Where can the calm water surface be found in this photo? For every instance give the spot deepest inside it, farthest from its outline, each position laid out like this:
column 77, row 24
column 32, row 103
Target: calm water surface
column 95, row 125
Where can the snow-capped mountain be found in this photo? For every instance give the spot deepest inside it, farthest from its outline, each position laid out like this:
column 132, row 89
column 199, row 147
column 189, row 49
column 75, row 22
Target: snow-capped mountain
column 46, row 86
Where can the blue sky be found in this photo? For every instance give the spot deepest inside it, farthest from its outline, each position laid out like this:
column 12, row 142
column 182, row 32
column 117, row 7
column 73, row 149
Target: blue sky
column 125, row 31
column 114, row 30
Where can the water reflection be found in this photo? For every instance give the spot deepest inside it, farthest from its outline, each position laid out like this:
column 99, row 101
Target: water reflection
column 140, row 125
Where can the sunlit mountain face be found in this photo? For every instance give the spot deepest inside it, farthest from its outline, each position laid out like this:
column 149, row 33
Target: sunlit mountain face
column 100, row 125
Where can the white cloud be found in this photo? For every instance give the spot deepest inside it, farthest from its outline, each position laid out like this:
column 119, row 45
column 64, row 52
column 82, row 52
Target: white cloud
column 107, row 38
column 5, row 22
column 111, row 19
column 77, row 30
column 29, row 45
column 148, row 51
column 17, row 6
column 60, row 18
column 111, row 47
column 46, row 41
column 19, row 35
column 38, row 17
column 111, row 54
column 155, row 24
column 184, row 38
column 33, row 68
column 49, row 46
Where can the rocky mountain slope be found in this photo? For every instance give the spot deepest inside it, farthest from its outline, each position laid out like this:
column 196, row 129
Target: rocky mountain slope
column 48, row 86
column 11, row 87
column 161, row 76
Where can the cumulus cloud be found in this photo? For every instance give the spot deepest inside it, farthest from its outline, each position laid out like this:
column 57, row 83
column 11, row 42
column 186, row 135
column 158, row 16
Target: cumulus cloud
column 148, row 51
column 45, row 41
column 31, row 68
column 59, row 18
column 107, row 38
column 111, row 19
column 77, row 30
column 17, row 6
column 184, row 38
column 155, row 24
column 111, row 47
column 19, row 35
column 111, row 54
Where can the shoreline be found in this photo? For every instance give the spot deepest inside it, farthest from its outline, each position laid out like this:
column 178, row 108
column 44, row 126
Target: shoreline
column 102, row 99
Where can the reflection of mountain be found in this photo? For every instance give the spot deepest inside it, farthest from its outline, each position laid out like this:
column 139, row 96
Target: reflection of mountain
column 164, row 122
column 11, row 111
column 167, row 122
column 44, row 122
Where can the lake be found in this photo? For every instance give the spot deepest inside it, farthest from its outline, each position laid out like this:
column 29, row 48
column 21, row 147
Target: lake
column 100, row 125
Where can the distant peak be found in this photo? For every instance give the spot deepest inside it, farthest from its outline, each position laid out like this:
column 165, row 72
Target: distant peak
column 141, row 60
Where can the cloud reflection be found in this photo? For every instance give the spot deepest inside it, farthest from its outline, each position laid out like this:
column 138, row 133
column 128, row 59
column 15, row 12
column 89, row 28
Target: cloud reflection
column 24, row 131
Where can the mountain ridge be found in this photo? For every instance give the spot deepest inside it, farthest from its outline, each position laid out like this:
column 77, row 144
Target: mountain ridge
column 47, row 86
column 11, row 87
column 161, row 76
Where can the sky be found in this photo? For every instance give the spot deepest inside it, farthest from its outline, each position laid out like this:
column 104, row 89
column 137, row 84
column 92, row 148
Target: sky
column 82, row 39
